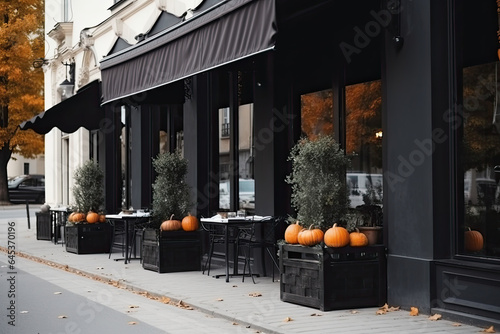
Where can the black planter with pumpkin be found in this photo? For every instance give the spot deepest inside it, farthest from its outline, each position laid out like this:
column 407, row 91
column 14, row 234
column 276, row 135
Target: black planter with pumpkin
column 166, row 247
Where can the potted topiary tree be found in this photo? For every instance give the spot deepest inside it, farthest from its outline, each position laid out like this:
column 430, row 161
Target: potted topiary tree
column 333, row 277
column 172, row 242
column 87, row 230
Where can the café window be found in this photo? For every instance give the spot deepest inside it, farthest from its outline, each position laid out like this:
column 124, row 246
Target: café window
column 363, row 142
column 478, row 152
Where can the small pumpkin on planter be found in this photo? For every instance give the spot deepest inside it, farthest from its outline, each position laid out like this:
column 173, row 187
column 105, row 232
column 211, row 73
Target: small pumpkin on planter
column 473, row 241
column 171, row 224
column 292, row 232
column 337, row 236
column 190, row 223
column 357, row 239
column 92, row 217
column 310, row 237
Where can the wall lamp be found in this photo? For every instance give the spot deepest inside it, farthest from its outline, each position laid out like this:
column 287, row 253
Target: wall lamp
column 66, row 88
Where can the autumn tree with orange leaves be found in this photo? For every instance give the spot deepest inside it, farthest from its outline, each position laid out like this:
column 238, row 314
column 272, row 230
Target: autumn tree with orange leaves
column 21, row 85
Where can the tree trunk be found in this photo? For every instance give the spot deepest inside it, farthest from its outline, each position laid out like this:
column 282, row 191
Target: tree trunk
column 5, row 154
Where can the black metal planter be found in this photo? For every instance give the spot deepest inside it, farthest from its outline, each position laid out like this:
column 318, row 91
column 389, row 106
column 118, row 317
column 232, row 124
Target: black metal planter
column 171, row 251
column 88, row 238
column 333, row 278
column 43, row 226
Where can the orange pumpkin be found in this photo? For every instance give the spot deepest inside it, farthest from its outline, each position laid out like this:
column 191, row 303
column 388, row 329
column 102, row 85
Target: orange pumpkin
column 473, row 241
column 171, row 224
column 310, row 237
column 337, row 236
column 78, row 217
column 102, row 218
column 92, row 217
column 190, row 223
column 71, row 217
column 292, row 232
column 357, row 239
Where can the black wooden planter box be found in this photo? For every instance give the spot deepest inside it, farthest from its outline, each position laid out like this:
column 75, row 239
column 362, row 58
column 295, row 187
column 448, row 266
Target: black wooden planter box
column 333, row 278
column 171, row 251
column 43, row 226
column 88, row 238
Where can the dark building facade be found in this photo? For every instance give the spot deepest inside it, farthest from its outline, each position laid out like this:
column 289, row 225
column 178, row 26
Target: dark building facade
column 409, row 89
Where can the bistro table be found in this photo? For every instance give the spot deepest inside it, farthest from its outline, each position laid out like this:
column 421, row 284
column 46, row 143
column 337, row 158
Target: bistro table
column 58, row 217
column 227, row 224
column 129, row 220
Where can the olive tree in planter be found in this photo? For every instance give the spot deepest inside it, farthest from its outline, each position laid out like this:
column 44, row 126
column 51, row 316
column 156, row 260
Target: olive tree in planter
column 318, row 276
column 165, row 246
column 87, row 230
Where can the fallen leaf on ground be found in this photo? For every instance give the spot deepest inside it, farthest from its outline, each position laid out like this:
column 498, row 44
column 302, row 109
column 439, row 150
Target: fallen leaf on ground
column 413, row 311
column 354, row 311
column 132, row 323
column 183, row 305
column 235, row 286
column 62, row 317
column 255, row 294
column 287, row 319
column 456, row 324
column 381, row 311
column 165, row 300
column 435, row 317
column 235, row 324
column 219, row 299
column 316, row 315
column 489, row 330
column 57, row 293
column 133, row 306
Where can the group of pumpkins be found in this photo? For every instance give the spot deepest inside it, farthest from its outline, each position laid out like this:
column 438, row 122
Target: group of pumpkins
column 91, row 217
column 188, row 223
column 335, row 236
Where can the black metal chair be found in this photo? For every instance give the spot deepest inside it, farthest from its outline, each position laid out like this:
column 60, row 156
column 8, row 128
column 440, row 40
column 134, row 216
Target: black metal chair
column 260, row 235
column 216, row 235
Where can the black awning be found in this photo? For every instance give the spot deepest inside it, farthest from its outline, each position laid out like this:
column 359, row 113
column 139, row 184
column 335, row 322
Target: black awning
column 229, row 31
column 81, row 110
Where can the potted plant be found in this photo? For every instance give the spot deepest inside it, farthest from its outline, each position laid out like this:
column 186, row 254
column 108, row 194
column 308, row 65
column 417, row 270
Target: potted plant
column 166, row 245
column 87, row 230
column 319, row 276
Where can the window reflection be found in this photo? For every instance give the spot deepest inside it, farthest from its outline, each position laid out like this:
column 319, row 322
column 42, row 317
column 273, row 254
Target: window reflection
column 481, row 153
column 245, row 159
column 317, row 113
column 364, row 143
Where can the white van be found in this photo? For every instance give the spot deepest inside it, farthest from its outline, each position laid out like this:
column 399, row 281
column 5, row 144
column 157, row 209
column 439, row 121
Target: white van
column 360, row 184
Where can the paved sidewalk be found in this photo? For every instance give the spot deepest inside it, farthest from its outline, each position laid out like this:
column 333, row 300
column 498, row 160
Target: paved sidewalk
column 255, row 305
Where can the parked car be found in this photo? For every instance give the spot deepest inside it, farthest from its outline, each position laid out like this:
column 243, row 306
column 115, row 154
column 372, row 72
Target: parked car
column 246, row 194
column 29, row 188
column 368, row 185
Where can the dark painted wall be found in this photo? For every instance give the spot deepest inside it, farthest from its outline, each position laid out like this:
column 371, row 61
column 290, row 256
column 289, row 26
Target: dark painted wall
column 408, row 168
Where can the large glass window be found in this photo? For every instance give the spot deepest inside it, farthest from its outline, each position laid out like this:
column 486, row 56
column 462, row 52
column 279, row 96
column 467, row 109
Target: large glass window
column 479, row 138
column 246, row 182
column 364, row 143
column 481, row 153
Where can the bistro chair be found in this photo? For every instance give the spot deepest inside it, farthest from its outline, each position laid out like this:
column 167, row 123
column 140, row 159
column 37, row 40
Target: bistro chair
column 260, row 235
column 117, row 236
column 216, row 235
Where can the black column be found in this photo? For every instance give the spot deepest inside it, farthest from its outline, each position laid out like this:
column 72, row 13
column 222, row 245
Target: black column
column 110, row 158
column 201, row 142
